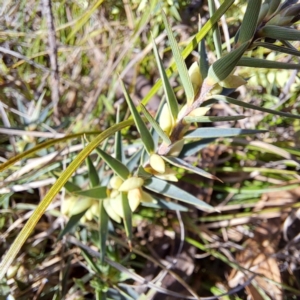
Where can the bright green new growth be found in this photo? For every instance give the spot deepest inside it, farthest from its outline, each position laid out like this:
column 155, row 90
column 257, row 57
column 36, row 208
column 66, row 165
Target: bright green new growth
column 127, row 185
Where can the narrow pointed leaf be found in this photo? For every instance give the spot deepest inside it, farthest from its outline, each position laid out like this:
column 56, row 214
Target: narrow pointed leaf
column 248, row 105
column 127, row 217
column 277, row 48
column 155, row 125
column 191, row 46
column 192, row 148
column 164, row 205
column 92, row 172
column 71, row 187
column 71, row 224
column 133, row 161
column 141, row 126
column 180, row 63
column 180, row 163
column 266, row 64
column 205, row 119
column 249, row 23
column 220, row 69
column 170, row 95
column 211, row 132
column 172, row 191
column 203, row 60
column 103, row 230
column 97, row 192
column 115, row 164
column 280, row 33
column 216, row 30
column 118, row 140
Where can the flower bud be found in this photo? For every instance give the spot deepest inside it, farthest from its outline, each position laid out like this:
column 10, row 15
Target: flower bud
column 195, row 76
column 81, row 205
column 232, row 82
column 199, row 111
column 166, row 120
column 134, row 198
column 110, row 210
column 157, row 163
column 115, row 182
column 131, row 183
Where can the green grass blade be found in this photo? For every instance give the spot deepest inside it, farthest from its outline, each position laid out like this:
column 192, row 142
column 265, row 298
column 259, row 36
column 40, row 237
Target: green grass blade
column 191, row 46
column 216, row 30
column 103, row 230
column 127, row 217
column 141, row 126
column 155, row 125
column 180, row 63
column 85, row 18
column 93, row 174
column 248, row 26
column 211, row 132
column 248, row 105
column 118, row 139
column 280, row 33
column 205, row 119
column 170, row 95
column 266, row 64
column 44, row 145
column 180, row 163
column 118, row 167
column 172, row 191
column 41, row 208
column 97, row 192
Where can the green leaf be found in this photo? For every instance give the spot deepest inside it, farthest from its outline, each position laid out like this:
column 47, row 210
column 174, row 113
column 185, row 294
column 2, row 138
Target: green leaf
column 97, row 192
column 71, row 187
column 169, row 93
column 133, row 161
column 211, row 132
column 127, row 217
column 191, row 148
column 248, row 105
column 180, row 163
column 142, row 128
column 248, row 26
column 191, row 45
column 277, row 48
column 279, row 33
column 155, row 125
column 203, row 59
column 205, row 119
column 266, row 64
column 103, row 230
column 118, row 139
column 172, row 191
column 180, row 63
column 92, row 172
column 220, row 69
column 73, row 221
column 216, row 30
column 115, row 164
column 164, row 205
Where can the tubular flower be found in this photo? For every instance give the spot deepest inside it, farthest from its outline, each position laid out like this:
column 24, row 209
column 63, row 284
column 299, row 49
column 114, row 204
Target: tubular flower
column 132, row 187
